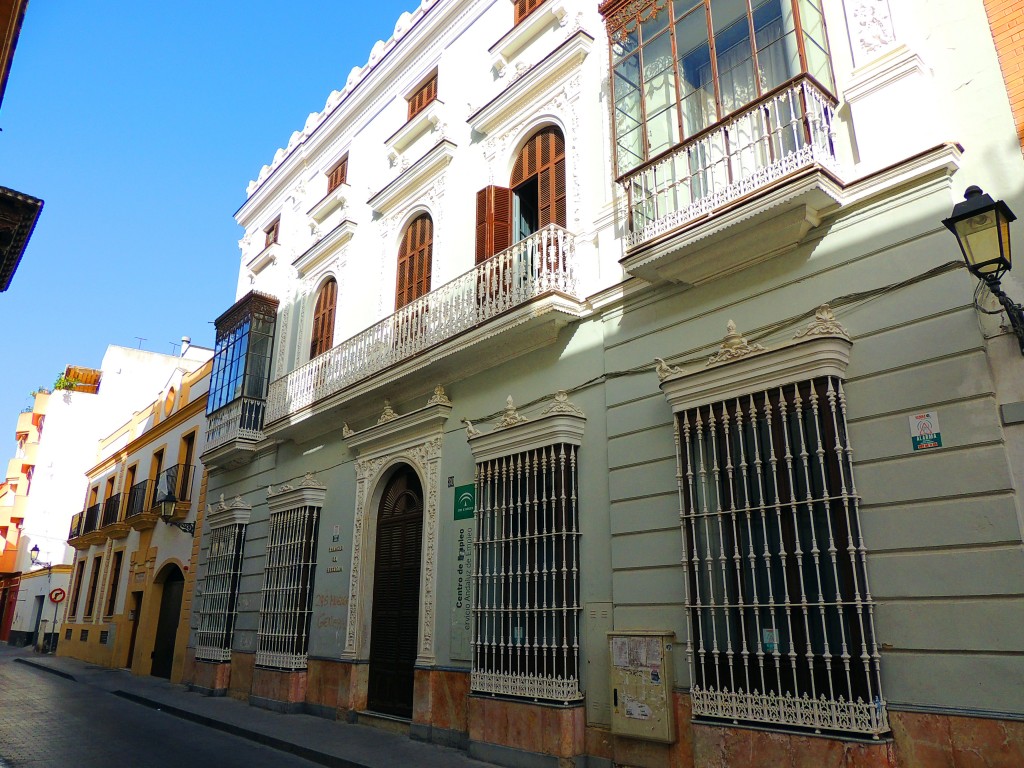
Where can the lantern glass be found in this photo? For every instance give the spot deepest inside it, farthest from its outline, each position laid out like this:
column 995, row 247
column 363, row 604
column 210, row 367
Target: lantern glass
column 985, row 241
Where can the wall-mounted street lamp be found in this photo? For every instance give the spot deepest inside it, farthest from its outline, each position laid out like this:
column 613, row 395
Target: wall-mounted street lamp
column 166, row 501
column 982, row 229
column 33, row 555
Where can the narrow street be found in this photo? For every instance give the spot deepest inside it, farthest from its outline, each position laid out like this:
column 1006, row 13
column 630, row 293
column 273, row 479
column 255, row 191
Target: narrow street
column 48, row 721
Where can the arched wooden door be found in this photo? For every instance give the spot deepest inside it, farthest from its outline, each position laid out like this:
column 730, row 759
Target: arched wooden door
column 167, row 622
column 394, row 628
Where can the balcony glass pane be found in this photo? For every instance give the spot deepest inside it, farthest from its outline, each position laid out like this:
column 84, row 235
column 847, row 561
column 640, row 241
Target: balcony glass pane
column 695, row 75
column 624, row 43
column 651, row 28
column 818, row 64
column 733, row 54
column 778, row 53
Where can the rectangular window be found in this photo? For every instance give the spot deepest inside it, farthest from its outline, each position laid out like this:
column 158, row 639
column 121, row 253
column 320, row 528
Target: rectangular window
column 83, row 635
column 76, row 590
column 272, row 232
column 287, row 603
column 526, row 603
column 115, row 578
column 67, row 633
column 220, row 594
column 104, row 636
column 425, row 93
column 781, row 619
column 338, row 174
column 94, row 580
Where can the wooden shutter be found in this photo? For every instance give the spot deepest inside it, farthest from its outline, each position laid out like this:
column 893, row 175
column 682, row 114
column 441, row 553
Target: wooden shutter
column 414, row 261
column 525, row 7
column 323, row 319
column 422, row 96
column 338, row 175
column 543, row 156
column 493, row 221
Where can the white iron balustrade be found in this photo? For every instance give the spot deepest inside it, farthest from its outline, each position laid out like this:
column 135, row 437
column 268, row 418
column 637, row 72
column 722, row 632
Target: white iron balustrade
column 540, row 264
column 789, row 130
column 240, row 419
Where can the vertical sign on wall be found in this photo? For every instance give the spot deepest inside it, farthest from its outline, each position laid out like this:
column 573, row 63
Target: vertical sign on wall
column 462, row 574
column 924, row 431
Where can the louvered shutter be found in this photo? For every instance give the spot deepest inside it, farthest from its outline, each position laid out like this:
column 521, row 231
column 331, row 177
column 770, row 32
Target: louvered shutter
column 525, row 7
column 414, row 261
column 493, row 221
column 323, row 319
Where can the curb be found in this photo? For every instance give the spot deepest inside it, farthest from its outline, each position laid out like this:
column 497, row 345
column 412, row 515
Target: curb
column 313, row 755
column 45, row 668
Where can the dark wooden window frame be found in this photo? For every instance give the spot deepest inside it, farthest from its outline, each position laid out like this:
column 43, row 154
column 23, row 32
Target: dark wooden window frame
column 338, row 174
column 324, row 311
column 272, row 232
column 524, row 8
column 422, row 95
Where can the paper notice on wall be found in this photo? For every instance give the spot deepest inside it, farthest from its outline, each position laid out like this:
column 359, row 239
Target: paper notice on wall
column 637, row 710
column 636, row 652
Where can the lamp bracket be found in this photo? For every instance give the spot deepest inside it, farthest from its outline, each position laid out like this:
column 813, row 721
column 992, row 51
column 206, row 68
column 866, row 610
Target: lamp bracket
column 1013, row 310
column 189, row 528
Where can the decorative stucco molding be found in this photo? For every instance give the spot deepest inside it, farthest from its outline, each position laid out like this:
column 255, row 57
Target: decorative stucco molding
column 561, row 422
column 871, row 28
column 308, row 492
column 510, row 417
column 415, row 439
column 824, row 324
column 223, row 514
column 734, row 346
column 823, row 351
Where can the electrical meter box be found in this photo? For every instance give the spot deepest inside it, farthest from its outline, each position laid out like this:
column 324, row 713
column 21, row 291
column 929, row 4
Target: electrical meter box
column 641, row 683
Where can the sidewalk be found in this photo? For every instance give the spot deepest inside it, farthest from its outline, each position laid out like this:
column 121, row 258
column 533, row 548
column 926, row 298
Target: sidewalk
column 327, row 742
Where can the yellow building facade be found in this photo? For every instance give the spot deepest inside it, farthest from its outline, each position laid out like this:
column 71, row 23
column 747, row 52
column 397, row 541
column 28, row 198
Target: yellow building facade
column 130, row 594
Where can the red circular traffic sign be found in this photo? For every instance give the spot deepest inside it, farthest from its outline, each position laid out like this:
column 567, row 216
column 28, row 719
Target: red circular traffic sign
column 57, row 595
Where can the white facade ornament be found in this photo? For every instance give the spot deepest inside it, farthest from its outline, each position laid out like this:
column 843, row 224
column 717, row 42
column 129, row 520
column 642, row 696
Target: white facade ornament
column 870, row 25
column 510, row 418
column 824, row 324
column 734, row 346
column 562, row 405
column 471, row 431
column 309, row 481
column 346, row 430
column 439, row 397
column 388, row 414
column 425, row 458
column 664, row 370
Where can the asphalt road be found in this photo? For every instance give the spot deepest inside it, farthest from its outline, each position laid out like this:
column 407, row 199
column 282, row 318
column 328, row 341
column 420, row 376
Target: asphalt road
column 49, row 722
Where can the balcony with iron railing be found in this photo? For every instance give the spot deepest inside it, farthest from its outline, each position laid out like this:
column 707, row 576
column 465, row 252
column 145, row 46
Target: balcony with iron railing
column 91, row 520
column 111, row 510
column 240, row 421
column 506, row 305
column 174, row 484
column 140, row 496
column 751, row 184
column 76, row 526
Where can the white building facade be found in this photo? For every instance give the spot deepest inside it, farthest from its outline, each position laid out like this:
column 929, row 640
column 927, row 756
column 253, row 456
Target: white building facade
column 603, row 387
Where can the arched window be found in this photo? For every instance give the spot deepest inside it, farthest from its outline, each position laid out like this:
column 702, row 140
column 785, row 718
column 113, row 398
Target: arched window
column 323, row 319
column 538, row 183
column 534, row 198
column 414, row 258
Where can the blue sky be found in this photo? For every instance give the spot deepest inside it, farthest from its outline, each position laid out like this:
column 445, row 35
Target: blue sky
column 140, row 125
